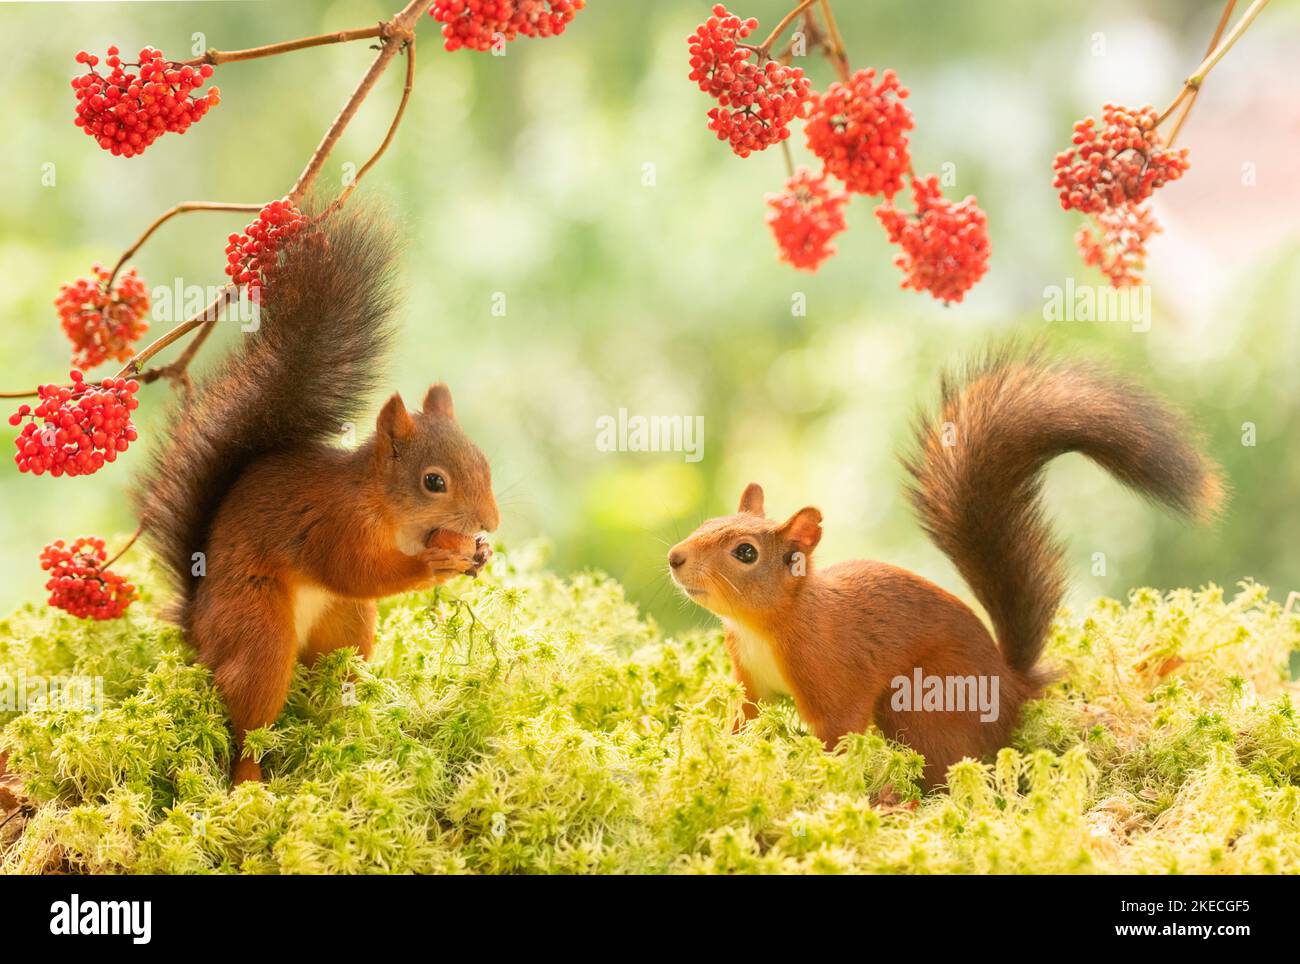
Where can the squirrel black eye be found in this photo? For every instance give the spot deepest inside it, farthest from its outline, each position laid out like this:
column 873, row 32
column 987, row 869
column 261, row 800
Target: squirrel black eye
column 745, row 553
column 435, row 482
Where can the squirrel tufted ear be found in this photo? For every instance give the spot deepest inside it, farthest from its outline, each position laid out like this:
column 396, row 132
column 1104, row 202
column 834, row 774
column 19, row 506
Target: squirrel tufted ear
column 394, row 420
column 804, row 529
column 437, row 401
column 751, row 500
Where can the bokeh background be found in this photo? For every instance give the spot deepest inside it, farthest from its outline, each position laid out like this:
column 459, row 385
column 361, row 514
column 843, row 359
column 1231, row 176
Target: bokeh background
column 575, row 177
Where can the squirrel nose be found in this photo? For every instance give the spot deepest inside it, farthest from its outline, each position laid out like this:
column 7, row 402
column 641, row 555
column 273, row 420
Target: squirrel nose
column 676, row 558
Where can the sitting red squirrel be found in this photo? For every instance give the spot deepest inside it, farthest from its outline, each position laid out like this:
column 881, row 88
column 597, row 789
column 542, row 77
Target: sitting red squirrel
column 279, row 540
column 850, row 642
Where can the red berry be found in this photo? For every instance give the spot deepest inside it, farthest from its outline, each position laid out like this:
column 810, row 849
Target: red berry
column 1119, row 246
column 103, row 323
column 127, row 111
column 74, row 430
column 252, row 256
column 79, row 583
column 804, row 218
column 945, row 244
column 859, row 130
column 758, row 101
column 1122, row 162
column 477, row 23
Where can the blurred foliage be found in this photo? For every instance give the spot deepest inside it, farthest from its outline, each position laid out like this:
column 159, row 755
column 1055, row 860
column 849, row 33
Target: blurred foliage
column 528, row 724
column 576, row 178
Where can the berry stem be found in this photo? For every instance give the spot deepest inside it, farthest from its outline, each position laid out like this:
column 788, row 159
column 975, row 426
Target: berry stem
column 167, row 215
column 1191, row 101
column 395, row 33
column 134, row 367
column 121, row 552
column 1198, row 76
column 836, row 50
column 216, row 57
column 409, row 47
column 765, row 48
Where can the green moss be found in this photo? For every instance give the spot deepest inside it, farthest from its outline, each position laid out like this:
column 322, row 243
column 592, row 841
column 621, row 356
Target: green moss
column 525, row 723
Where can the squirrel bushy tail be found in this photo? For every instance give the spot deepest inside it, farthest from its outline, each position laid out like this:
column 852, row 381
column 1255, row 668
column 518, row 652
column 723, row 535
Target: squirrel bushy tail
column 977, row 476
column 324, row 325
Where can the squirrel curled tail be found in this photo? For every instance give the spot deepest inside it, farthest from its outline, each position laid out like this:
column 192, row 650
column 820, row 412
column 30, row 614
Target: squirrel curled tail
column 978, row 467
column 279, row 540
column 862, row 643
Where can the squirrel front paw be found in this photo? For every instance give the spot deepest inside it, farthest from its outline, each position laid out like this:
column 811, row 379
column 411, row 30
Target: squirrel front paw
column 450, row 554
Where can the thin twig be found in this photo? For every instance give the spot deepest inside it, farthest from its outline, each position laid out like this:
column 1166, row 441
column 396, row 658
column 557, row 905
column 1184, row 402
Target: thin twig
column 839, row 54
column 171, row 212
column 392, row 128
column 120, row 552
column 215, row 57
column 134, row 367
column 1198, row 76
column 395, row 35
column 789, row 157
column 765, row 47
column 1214, row 42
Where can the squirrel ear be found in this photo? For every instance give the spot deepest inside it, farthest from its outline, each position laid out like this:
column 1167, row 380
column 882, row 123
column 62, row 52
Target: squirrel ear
column 394, row 420
column 751, row 500
column 437, row 401
column 804, row 529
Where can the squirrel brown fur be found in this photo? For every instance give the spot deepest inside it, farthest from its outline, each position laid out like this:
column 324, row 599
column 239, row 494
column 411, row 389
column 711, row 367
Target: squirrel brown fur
column 838, row 639
column 278, row 539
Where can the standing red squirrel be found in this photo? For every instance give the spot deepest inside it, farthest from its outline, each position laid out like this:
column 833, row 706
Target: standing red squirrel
column 279, row 540
column 850, row 643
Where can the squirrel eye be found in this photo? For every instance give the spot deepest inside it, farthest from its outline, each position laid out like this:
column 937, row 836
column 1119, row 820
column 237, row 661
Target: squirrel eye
column 435, row 482
column 746, row 553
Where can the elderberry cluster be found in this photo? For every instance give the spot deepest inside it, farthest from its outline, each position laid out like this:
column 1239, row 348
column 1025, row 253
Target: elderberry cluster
column 251, row 257
column 75, row 429
column 758, row 100
column 1109, row 173
column 859, row 130
column 945, row 244
column 127, row 110
column 805, row 217
column 476, row 24
column 79, row 583
column 103, row 322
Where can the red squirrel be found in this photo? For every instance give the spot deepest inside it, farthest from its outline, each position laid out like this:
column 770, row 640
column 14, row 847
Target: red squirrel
column 850, row 642
column 280, row 541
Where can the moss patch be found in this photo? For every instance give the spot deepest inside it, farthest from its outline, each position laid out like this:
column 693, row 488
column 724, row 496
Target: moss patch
column 530, row 723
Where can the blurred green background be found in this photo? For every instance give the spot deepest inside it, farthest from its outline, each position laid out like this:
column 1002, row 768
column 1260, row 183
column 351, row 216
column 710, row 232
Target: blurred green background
column 575, row 177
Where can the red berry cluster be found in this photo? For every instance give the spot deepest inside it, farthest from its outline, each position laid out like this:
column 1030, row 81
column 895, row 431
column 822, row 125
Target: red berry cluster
column 74, row 430
column 804, row 219
column 1116, row 242
column 101, row 322
column 1108, row 174
column 127, row 111
column 758, row 101
column 251, row 256
column 945, row 244
column 859, row 130
column 1121, row 162
column 80, row 584
column 477, row 23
